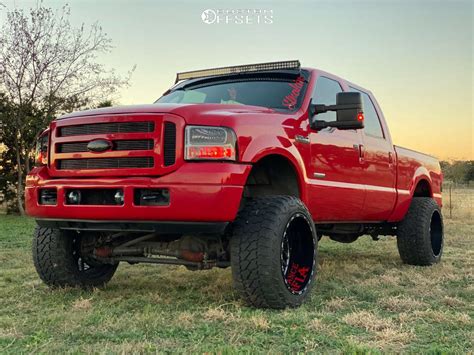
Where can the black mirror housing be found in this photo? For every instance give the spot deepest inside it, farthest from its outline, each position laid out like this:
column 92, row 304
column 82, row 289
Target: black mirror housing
column 349, row 112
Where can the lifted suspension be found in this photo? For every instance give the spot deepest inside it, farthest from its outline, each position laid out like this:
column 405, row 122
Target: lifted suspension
column 193, row 252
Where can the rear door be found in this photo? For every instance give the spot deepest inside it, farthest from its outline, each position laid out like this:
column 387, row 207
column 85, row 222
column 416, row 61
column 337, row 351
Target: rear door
column 336, row 193
column 377, row 163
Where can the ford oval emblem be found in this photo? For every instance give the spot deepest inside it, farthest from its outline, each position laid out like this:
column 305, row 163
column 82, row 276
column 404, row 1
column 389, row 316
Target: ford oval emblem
column 99, row 145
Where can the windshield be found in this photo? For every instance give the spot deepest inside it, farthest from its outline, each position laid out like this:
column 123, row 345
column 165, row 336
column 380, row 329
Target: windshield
column 276, row 92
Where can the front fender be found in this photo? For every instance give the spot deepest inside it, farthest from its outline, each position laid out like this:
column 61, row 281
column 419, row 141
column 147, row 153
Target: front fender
column 267, row 145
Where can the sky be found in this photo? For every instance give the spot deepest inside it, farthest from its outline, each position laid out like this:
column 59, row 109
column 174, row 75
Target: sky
column 416, row 56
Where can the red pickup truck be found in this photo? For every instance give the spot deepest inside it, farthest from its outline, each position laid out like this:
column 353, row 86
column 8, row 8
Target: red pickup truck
column 245, row 166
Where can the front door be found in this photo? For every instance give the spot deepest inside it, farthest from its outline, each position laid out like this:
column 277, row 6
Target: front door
column 378, row 165
column 336, row 192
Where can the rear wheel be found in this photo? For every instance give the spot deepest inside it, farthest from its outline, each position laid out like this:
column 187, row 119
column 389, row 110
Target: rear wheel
column 420, row 236
column 59, row 260
column 273, row 252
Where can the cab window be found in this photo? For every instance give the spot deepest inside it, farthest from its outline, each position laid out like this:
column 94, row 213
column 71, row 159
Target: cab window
column 372, row 126
column 325, row 94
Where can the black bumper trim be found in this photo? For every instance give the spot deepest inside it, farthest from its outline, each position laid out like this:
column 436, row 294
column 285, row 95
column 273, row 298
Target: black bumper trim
column 163, row 227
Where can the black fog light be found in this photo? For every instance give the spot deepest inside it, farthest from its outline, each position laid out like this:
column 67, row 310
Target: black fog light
column 119, row 197
column 48, row 197
column 74, row 197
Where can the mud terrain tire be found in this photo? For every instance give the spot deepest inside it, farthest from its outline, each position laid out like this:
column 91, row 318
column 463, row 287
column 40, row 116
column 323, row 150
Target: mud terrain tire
column 58, row 261
column 274, row 252
column 420, row 236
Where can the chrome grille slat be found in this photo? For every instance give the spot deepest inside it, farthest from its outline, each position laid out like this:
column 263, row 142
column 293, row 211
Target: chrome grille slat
column 118, row 145
column 106, row 128
column 105, row 163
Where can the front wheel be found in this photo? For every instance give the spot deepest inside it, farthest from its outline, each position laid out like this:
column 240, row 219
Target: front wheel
column 420, row 236
column 59, row 260
column 273, row 252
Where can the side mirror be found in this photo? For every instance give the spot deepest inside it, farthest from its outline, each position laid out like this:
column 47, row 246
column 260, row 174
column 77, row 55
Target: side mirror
column 349, row 112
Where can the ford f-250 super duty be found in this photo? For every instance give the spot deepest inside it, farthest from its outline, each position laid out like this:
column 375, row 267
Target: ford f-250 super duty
column 245, row 166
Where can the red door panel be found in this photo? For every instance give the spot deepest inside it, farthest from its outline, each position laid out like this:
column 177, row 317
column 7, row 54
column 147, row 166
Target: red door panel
column 335, row 191
column 378, row 175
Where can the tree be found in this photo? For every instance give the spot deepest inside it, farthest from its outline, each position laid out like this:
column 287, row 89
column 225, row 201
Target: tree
column 458, row 171
column 48, row 67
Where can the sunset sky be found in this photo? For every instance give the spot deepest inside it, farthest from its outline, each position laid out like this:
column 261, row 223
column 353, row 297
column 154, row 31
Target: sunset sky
column 415, row 56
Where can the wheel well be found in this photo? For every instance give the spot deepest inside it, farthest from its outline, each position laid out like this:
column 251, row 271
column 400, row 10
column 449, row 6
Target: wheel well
column 423, row 189
column 272, row 175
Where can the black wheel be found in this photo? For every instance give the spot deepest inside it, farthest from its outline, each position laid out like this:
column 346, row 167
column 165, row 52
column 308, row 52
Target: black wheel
column 59, row 261
column 420, row 236
column 273, row 252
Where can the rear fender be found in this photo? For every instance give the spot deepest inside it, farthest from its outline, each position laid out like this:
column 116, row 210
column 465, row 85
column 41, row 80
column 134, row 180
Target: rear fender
column 405, row 196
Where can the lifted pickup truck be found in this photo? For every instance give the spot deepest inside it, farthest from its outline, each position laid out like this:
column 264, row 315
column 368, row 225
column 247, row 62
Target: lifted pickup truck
column 245, row 166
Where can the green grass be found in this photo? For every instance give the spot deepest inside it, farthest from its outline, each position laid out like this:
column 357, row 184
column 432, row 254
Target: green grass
column 365, row 301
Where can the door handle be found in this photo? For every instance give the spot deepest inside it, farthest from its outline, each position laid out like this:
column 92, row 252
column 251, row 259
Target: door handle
column 390, row 158
column 361, row 152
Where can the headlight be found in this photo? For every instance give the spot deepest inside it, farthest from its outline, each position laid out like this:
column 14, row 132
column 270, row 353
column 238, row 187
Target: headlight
column 209, row 143
column 41, row 153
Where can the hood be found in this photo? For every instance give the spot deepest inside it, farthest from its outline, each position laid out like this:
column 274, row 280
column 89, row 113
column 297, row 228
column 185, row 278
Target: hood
column 212, row 114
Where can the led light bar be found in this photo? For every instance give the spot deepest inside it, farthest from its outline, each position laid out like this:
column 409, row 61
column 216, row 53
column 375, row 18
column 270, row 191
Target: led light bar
column 289, row 64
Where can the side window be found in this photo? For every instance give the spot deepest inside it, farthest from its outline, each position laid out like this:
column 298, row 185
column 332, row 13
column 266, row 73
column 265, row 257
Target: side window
column 372, row 125
column 325, row 94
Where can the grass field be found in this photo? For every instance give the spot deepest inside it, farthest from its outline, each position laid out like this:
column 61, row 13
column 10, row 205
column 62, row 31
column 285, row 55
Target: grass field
column 365, row 300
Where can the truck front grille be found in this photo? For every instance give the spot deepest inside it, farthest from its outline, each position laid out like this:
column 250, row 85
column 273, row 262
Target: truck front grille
column 105, row 163
column 125, row 145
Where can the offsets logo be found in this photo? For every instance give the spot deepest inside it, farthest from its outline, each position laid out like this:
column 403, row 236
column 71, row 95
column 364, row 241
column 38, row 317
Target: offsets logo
column 237, row 16
column 208, row 16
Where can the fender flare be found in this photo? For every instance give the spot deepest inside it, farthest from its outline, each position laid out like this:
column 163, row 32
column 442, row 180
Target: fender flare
column 420, row 174
column 291, row 154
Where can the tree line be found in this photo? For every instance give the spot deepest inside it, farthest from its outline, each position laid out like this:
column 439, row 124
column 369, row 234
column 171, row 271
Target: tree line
column 458, row 171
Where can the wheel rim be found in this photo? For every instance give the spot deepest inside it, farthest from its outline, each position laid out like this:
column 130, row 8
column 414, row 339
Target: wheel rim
column 297, row 256
column 83, row 264
column 436, row 233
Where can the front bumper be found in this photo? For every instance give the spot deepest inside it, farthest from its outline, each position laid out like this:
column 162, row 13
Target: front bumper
column 199, row 192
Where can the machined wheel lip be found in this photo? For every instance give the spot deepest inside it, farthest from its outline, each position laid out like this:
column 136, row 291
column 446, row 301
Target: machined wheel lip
column 285, row 254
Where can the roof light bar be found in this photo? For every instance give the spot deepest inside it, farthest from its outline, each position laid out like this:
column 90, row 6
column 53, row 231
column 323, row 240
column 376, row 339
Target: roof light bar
column 289, row 64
